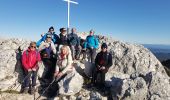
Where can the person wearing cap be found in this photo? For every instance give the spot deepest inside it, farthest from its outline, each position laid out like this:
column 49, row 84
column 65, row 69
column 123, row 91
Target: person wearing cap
column 30, row 59
column 103, row 62
column 47, row 50
column 74, row 43
column 51, row 32
column 91, row 45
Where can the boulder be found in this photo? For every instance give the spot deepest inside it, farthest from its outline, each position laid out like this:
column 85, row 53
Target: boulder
column 71, row 84
column 136, row 74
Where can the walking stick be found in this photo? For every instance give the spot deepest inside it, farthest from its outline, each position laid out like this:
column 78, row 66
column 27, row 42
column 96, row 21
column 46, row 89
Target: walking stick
column 55, row 80
column 47, row 88
column 18, row 85
column 22, row 81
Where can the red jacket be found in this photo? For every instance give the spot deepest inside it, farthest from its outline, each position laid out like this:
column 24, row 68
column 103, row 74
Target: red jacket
column 30, row 59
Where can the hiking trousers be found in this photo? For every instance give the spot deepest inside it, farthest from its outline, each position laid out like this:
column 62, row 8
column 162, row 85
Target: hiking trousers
column 98, row 78
column 75, row 51
column 30, row 76
column 92, row 53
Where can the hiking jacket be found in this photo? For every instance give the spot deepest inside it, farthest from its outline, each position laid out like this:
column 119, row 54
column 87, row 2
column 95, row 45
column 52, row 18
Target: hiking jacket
column 55, row 38
column 63, row 39
column 30, row 59
column 103, row 59
column 45, row 44
column 73, row 39
column 91, row 41
column 64, row 63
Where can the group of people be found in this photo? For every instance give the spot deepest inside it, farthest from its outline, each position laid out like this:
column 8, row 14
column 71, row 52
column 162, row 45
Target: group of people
column 57, row 52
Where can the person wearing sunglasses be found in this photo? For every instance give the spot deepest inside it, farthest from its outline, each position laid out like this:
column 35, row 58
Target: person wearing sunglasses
column 30, row 59
column 51, row 32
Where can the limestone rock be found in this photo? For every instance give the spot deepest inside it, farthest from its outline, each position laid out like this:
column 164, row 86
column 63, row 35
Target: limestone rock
column 136, row 73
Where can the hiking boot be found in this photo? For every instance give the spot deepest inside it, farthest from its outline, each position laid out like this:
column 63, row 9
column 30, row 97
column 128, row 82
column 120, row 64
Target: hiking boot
column 32, row 91
column 25, row 91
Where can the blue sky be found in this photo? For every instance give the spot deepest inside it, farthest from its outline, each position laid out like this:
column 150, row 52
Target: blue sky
column 139, row 21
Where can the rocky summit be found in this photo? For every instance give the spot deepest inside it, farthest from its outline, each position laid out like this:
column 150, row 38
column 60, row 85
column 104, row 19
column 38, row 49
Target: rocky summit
column 136, row 74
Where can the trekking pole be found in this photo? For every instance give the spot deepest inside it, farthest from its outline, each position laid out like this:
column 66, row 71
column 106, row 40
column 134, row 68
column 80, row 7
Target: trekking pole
column 56, row 79
column 15, row 85
column 22, row 81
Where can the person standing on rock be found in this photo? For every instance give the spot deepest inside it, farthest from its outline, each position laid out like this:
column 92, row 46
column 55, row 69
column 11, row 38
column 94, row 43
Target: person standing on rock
column 48, row 55
column 91, row 45
column 63, row 38
column 103, row 62
column 74, row 43
column 51, row 32
column 30, row 59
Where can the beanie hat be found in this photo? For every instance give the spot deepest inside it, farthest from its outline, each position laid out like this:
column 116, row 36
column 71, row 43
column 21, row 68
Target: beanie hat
column 104, row 45
column 51, row 28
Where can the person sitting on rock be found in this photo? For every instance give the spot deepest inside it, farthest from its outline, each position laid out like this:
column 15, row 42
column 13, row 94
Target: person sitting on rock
column 51, row 32
column 64, row 68
column 63, row 38
column 103, row 62
column 91, row 45
column 74, row 44
column 48, row 54
column 30, row 59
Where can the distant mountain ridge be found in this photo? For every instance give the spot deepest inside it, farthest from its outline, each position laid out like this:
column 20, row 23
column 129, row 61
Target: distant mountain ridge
column 162, row 52
column 158, row 48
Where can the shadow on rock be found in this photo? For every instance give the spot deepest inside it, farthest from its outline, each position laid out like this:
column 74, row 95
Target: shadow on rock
column 18, row 66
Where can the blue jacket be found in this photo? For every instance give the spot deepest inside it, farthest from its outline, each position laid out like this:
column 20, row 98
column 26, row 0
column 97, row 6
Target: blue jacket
column 73, row 39
column 55, row 38
column 91, row 41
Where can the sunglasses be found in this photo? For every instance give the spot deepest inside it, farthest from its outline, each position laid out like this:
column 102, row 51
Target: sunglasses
column 33, row 46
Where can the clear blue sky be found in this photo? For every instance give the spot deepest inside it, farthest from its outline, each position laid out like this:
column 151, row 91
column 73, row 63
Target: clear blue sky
column 141, row 21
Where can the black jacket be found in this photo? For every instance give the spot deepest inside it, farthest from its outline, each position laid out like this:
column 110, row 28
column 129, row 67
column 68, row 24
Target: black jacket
column 63, row 40
column 103, row 59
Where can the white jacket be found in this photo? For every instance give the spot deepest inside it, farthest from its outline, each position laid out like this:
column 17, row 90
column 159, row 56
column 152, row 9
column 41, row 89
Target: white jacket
column 65, row 63
column 45, row 44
